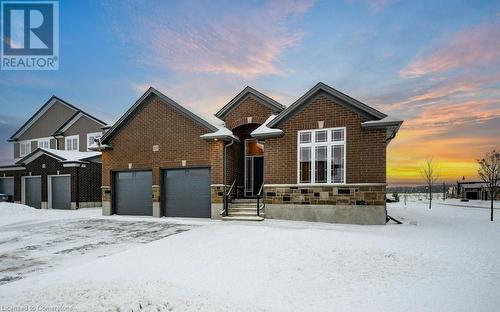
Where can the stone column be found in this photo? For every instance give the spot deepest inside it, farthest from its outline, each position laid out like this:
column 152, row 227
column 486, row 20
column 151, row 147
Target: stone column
column 156, row 201
column 106, row 200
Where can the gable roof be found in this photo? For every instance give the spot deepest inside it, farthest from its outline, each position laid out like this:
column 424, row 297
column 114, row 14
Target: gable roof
column 130, row 112
column 236, row 101
column 50, row 102
column 65, row 126
column 342, row 99
column 61, row 155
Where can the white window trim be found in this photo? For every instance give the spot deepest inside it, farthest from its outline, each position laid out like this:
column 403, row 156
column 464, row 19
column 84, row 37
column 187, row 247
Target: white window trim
column 70, row 138
column 42, row 140
column 21, row 155
column 329, row 143
column 92, row 134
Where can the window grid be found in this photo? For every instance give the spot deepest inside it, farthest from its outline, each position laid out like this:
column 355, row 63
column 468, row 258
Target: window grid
column 335, row 139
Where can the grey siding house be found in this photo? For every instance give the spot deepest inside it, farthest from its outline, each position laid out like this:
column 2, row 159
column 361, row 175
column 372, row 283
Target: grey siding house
column 52, row 166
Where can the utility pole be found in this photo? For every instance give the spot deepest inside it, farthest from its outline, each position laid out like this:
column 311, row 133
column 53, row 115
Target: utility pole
column 444, row 192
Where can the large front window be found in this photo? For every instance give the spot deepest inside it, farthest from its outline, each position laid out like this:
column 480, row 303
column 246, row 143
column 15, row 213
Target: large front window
column 321, row 156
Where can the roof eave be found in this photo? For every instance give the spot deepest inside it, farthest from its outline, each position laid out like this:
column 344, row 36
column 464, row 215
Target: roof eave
column 109, row 134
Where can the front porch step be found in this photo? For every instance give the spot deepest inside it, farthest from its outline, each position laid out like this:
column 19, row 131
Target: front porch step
column 242, row 208
column 245, row 213
column 245, row 200
column 242, row 218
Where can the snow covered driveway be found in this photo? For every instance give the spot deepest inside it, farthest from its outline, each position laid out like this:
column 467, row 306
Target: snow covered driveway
column 32, row 247
column 444, row 259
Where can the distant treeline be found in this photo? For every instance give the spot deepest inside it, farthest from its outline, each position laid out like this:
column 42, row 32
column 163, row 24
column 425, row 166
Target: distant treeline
column 438, row 188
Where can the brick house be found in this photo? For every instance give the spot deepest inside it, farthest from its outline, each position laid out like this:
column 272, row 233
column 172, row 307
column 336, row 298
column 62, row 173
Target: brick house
column 323, row 158
column 52, row 166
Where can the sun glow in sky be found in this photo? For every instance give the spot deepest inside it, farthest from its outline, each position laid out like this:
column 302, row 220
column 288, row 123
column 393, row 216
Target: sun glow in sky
column 435, row 64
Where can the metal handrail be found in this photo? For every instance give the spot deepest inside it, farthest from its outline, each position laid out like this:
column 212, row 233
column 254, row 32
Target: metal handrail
column 227, row 197
column 259, row 196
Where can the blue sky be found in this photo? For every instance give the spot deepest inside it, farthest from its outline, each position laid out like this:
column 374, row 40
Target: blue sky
column 433, row 63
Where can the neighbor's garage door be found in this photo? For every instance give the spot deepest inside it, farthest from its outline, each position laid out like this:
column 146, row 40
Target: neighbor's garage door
column 472, row 195
column 60, row 192
column 187, row 192
column 133, row 193
column 7, row 186
column 32, row 191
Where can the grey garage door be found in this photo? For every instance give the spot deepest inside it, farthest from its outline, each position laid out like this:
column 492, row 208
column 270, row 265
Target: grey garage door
column 60, row 192
column 33, row 191
column 133, row 194
column 187, row 192
column 7, row 186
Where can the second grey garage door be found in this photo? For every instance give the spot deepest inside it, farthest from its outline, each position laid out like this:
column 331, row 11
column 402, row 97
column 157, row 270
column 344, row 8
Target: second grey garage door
column 7, row 186
column 33, row 191
column 187, row 192
column 133, row 194
column 60, row 192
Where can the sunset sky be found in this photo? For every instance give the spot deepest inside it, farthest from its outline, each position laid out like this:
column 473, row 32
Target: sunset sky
column 435, row 64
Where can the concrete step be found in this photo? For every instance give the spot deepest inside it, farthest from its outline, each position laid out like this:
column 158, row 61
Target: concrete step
column 245, row 213
column 243, row 218
column 249, row 206
column 237, row 208
column 244, row 200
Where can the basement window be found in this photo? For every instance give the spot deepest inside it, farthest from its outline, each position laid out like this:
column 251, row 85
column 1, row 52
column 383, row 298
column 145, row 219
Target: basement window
column 321, row 156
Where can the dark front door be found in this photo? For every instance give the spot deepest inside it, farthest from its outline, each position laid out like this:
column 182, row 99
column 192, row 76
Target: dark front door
column 254, row 167
column 133, row 193
column 186, row 192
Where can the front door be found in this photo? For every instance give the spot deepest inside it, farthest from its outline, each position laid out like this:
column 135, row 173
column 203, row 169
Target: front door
column 254, row 167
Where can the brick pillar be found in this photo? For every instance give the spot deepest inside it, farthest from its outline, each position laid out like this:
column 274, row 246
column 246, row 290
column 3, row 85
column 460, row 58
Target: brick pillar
column 106, row 200
column 156, row 201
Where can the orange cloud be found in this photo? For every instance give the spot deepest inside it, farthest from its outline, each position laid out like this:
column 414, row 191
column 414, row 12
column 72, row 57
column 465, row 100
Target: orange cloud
column 455, row 135
column 470, row 47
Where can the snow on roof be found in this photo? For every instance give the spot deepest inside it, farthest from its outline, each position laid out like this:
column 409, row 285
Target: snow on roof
column 475, row 185
column 222, row 133
column 387, row 121
column 62, row 155
column 9, row 164
column 264, row 131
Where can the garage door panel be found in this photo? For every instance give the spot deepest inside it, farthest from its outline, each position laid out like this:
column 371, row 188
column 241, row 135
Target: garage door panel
column 7, row 186
column 33, row 192
column 61, row 192
column 133, row 193
column 187, row 192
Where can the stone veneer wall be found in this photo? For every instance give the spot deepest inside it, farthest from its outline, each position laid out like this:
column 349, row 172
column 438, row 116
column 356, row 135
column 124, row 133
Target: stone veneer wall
column 373, row 194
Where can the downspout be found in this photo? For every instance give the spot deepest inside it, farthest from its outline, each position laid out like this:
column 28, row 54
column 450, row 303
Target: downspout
column 78, row 186
column 225, row 177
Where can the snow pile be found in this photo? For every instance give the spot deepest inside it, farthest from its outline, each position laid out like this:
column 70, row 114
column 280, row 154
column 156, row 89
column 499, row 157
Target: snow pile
column 13, row 213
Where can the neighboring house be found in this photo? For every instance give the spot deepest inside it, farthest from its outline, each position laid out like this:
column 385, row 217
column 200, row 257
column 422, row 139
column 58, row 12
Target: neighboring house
column 473, row 190
column 321, row 159
column 52, row 166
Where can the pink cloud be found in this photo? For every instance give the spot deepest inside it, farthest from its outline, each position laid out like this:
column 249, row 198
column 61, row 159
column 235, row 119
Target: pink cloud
column 477, row 46
column 247, row 43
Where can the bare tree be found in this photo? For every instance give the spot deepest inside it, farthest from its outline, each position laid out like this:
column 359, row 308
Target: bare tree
column 489, row 171
column 430, row 175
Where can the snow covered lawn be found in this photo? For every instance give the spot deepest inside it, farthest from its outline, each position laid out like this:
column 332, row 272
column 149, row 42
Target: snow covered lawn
column 444, row 259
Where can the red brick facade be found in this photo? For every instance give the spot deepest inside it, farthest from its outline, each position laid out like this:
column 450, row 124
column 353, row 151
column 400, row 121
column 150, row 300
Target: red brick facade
column 176, row 136
column 249, row 107
column 365, row 149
